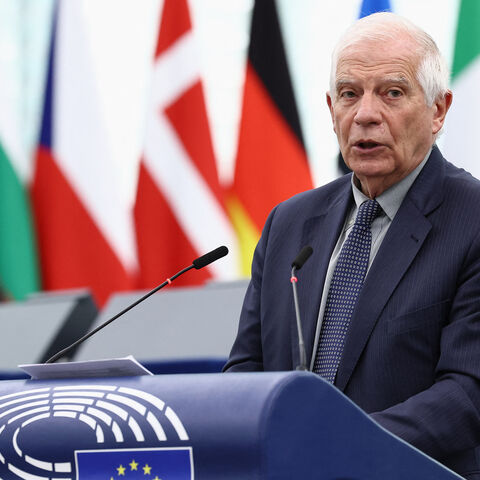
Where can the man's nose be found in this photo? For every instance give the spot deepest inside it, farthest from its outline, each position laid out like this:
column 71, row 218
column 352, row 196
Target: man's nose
column 368, row 110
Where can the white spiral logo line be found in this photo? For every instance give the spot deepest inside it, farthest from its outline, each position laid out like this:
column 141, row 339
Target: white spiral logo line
column 101, row 407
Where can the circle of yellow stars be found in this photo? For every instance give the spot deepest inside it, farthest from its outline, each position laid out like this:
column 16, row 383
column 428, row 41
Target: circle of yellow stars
column 134, row 466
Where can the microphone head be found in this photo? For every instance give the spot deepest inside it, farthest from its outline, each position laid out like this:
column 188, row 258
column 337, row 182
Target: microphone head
column 210, row 257
column 302, row 257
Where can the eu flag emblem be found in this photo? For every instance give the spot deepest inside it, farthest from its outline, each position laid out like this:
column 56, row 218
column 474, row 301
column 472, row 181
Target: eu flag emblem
column 130, row 464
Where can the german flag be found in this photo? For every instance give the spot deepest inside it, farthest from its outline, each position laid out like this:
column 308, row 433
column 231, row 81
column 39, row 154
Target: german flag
column 271, row 163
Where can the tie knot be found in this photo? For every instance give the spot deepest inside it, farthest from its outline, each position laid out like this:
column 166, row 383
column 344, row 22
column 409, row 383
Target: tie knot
column 367, row 212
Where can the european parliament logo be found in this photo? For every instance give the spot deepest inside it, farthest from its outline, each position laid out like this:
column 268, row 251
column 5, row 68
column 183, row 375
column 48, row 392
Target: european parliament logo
column 89, row 432
column 151, row 464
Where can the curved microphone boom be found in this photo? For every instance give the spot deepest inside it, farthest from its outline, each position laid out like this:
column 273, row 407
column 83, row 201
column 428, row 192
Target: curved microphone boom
column 297, row 264
column 198, row 263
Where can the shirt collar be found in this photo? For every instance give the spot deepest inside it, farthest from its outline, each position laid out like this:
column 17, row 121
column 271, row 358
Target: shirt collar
column 391, row 199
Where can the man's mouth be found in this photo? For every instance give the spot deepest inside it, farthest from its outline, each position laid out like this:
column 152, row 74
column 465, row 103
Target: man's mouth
column 367, row 145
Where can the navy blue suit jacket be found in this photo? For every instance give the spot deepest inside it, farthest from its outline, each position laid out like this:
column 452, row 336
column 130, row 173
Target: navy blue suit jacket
column 412, row 352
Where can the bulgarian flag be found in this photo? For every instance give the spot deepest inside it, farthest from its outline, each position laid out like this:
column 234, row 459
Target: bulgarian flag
column 271, row 162
column 18, row 261
column 462, row 126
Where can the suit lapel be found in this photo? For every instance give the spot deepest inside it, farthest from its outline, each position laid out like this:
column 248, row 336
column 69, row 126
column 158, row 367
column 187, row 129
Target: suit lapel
column 399, row 248
column 321, row 233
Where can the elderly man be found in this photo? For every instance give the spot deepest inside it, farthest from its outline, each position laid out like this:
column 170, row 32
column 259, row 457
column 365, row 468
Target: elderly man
column 391, row 295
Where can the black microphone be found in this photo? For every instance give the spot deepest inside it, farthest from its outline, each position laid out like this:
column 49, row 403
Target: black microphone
column 297, row 264
column 198, row 263
column 210, row 257
column 302, row 257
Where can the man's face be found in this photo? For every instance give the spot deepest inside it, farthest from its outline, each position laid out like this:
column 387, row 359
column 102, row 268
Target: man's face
column 379, row 113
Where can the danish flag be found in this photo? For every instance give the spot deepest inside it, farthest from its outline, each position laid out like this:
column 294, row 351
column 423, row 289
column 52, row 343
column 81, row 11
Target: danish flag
column 179, row 209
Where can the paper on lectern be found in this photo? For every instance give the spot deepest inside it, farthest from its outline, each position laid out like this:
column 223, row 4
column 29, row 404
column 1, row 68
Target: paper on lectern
column 114, row 367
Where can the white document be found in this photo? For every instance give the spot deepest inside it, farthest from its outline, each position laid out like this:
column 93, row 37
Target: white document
column 114, row 367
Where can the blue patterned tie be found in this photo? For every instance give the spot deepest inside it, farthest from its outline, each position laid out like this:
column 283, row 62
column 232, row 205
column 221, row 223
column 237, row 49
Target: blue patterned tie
column 347, row 281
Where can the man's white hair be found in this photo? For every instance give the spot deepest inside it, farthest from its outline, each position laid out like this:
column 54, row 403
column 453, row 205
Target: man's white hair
column 432, row 71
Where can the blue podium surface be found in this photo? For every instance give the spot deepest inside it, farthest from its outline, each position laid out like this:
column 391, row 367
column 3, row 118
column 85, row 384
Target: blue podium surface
column 290, row 425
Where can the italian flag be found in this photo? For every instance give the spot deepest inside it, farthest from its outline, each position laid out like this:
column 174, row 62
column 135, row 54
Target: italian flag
column 462, row 128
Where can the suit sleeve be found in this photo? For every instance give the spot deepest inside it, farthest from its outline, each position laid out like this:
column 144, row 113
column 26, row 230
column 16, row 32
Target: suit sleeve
column 445, row 418
column 246, row 354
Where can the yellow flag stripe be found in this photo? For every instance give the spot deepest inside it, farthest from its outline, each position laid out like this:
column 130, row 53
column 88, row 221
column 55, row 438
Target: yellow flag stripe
column 247, row 233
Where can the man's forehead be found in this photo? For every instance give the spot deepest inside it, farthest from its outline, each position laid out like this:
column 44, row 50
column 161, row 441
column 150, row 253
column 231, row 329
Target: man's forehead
column 394, row 59
column 381, row 42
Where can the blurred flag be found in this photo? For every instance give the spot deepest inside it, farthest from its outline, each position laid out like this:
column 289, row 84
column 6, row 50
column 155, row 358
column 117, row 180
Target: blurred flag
column 83, row 225
column 271, row 163
column 461, row 129
column 366, row 8
column 18, row 261
column 179, row 209
column 372, row 6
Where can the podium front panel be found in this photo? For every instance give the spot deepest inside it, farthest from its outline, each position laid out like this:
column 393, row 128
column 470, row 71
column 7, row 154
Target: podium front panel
column 205, row 427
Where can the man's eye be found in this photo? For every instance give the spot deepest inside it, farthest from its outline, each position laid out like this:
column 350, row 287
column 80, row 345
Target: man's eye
column 347, row 94
column 394, row 93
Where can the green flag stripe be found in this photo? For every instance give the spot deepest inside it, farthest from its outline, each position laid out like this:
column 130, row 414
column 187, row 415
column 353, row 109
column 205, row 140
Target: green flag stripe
column 18, row 261
column 467, row 42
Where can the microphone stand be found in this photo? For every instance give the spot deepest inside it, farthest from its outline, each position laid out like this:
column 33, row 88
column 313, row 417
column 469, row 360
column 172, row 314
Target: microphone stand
column 297, row 264
column 198, row 263
column 301, row 345
column 168, row 281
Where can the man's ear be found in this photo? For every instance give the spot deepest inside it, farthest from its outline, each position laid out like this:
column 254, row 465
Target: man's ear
column 330, row 107
column 441, row 107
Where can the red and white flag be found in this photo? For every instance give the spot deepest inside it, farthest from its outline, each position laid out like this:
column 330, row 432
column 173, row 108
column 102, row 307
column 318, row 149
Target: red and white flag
column 179, row 208
column 84, row 226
